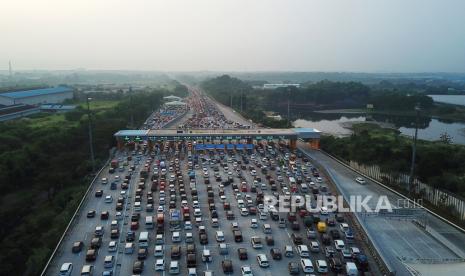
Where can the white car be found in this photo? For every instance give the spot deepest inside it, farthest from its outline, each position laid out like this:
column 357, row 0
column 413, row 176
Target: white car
column 360, row 180
column 254, row 223
column 160, row 265
column 244, row 212
column 174, row 267
column 262, row 260
column 219, row 236
column 246, row 270
column 160, row 209
column 303, row 251
column 66, row 269
column 158, row 251
column 112, row 246
column 187, row 225
column 176, row 237
column 339, row 245
column 108, row 199
column 307, row 265
column 256, row 242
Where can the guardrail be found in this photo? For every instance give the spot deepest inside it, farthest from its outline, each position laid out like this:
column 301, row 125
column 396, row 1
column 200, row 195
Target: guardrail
column 78, row 210
column 395, row 192
column 367, row 239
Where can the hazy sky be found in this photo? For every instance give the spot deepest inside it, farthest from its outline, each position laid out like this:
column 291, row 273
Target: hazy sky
column 181, row 35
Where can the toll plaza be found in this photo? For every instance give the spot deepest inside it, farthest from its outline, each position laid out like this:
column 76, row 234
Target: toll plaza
column 216, row 139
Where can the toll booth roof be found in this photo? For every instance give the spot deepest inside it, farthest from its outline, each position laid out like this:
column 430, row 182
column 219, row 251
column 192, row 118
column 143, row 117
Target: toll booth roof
column 131, row 132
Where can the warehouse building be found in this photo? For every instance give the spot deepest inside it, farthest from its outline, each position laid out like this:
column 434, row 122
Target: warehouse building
column 37, row 96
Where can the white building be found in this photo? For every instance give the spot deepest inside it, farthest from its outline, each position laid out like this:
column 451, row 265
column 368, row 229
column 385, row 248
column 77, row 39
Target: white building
column 37, row 96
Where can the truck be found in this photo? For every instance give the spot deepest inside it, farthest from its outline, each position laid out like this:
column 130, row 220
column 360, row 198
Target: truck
column 114, row 163
column 175, row 220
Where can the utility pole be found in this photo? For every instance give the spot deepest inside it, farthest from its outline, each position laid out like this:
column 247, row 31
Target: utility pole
column 414, row 149
column 131, row 107
column 90, row 135
column 288, row 107
column 242, row 93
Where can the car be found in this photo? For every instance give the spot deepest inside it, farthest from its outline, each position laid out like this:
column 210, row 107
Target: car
column 242, row 253
column 254, row 223
column 288, row 251
column 174, row 267
column 112, row 246
column 91, row 214
column 109, row 261
column 269, row 240
column 99, row 193
column 158, row 252
column 303, row 251
column 108, row 199
column 160, row 265
column 220, row 236
column 246, row 270
column 66, row 269
column 321, row 266
column 206, row 255
column 329, row 252
column 276, row 254
column 227, row 266
column 262, row 260
column 360, row 180
column 296, row 238
column 339, row 245
column 306, row 265
column 187, row 225
column 256, row 242
column 293, row 268
column 266, row 228
column 77, row 246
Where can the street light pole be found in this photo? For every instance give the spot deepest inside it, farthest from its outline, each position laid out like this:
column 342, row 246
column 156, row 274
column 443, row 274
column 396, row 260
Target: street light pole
column 90, row 134
column 414, row 149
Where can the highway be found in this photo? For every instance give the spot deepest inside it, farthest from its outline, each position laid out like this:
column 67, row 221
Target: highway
column 396, row 238
column 83, row 229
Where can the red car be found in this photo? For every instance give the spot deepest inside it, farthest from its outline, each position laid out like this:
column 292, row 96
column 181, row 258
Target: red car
column 302, row 213
column 134, row 225
column 244, row 188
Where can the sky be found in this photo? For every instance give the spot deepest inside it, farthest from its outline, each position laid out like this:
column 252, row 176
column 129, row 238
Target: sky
column 234, row 35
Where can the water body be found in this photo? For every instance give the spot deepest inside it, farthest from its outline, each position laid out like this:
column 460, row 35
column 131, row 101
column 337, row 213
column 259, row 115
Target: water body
column 429, row 129
column 449, row 99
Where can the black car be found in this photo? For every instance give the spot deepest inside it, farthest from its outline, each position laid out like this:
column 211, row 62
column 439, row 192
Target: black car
column 276, row 253
column 131, row 236
column 138, row 267
column 227, row 266
column 293, row 268
column 99, row 193
column 91, row 214
column 242, row 252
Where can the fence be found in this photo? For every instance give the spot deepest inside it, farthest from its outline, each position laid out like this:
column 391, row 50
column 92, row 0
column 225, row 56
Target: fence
column 435, row 196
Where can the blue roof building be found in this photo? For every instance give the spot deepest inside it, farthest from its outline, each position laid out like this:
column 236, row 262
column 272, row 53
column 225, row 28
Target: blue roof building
column 37, row 96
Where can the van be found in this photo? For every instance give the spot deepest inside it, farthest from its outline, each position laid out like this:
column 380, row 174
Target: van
column 149, row 222
column 87, row 270
column 321, row 266
column 307, row 266
column 129, row 248
column 303, row 251
column 144, row 239
column 351, row 269
column 109, row 261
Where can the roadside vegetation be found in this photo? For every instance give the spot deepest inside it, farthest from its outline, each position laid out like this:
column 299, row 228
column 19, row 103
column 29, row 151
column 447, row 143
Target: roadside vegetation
column 439, row 164
column 326, row 95
column 45, row 170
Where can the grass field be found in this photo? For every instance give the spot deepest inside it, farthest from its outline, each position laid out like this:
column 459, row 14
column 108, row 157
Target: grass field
column 99, row 105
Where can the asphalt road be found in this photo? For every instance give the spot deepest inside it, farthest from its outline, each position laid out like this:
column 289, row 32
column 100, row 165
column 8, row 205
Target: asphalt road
column 396, row 238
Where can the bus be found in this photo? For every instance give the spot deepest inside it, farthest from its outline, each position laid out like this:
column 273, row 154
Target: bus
column 144, row 239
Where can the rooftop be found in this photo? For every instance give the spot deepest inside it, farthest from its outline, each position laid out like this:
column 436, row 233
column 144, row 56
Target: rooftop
column 35, row 92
